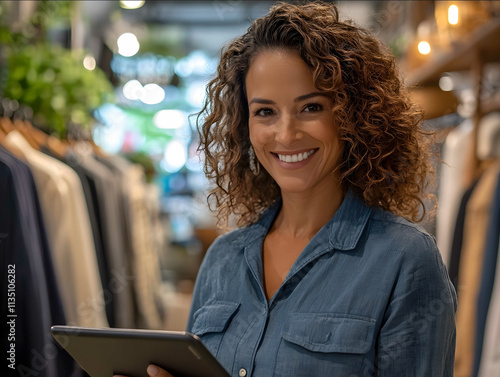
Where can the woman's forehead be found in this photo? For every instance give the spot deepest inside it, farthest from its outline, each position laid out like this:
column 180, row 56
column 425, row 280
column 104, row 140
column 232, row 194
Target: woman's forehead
column 278, row 71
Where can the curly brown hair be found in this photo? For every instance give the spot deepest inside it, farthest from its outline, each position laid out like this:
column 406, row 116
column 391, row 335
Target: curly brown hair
column 386, row 152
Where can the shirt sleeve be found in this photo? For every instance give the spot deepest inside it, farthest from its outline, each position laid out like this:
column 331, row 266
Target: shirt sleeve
column 203, row 282
column 417, row 337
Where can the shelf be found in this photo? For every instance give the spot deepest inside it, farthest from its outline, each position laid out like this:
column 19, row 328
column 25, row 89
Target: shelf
column 485, row 38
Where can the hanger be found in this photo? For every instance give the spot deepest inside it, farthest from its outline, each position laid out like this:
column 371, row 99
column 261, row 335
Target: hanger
column 35, row 133
column 25, row 132
column 6, row 124
column 2, row 136
column 42, row 139
column 57, row 147
column 12, row 149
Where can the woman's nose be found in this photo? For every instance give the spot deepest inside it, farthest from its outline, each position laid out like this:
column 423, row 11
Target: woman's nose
column 288, row 131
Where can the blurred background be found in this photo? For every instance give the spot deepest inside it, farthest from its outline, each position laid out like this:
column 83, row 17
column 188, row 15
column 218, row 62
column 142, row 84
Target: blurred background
column 110, row 89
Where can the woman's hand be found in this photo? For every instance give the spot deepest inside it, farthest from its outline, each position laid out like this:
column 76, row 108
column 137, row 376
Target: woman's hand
column 153, row 371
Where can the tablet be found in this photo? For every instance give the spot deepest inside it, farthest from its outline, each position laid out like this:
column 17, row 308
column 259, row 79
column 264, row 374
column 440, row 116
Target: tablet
column 102, row 352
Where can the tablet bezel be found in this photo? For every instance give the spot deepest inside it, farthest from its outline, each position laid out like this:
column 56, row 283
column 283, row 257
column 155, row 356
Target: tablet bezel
column 101, row 351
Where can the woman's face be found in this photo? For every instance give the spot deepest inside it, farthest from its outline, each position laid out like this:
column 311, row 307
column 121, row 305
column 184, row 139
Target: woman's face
column 291, row 124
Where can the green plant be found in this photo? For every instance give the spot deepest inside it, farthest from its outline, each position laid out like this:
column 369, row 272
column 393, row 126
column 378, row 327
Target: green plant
column 47, row 77
column 55, row 84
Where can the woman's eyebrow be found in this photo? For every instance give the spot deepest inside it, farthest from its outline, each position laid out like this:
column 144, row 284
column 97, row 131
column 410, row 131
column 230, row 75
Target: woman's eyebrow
column 261, row 100
column 310, row 95
column 298, row 99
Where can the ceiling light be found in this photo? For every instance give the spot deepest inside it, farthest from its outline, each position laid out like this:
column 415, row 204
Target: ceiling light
column 133, row 90
column 174, row 157
column 453, row 15
column 132, row 4
column 128, row 45
column 169, row 119
column 153, row 94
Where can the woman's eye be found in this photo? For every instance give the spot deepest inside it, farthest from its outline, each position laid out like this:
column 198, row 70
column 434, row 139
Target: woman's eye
column 313, row 107
column 264, row 112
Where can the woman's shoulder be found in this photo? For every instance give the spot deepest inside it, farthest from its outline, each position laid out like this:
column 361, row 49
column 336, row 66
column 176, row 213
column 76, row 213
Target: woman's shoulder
column 229, row 243
column 393, row 222
column 230, row 237
column 403, row 240
column 238, row 238
column 411, row 254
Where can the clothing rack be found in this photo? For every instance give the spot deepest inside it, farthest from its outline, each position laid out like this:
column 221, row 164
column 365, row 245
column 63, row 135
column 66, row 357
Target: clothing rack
column 482, row 47
column 82, row 224
column 479, row 49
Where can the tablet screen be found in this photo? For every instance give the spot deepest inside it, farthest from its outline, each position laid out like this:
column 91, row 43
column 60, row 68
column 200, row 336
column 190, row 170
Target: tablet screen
column 104, row 352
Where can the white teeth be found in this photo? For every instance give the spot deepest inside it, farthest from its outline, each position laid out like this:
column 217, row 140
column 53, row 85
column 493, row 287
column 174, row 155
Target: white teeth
column 295, row 157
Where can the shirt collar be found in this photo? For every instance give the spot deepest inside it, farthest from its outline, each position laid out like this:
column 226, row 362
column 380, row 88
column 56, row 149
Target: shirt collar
column 348, row 223
column 343, row 230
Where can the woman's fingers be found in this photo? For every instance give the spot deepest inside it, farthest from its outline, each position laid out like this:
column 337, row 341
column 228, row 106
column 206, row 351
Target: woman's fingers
column 155, row 371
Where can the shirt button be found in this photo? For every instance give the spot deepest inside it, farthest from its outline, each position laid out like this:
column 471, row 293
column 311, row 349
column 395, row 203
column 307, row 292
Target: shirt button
column 243, row 372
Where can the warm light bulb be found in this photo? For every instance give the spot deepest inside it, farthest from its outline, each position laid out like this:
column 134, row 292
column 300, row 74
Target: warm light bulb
column 424, row 47
column 132, row 4
column 453, row 15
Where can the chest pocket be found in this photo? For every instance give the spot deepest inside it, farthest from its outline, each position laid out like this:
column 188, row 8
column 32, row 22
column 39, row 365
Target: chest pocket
column 211, row 321
column 324, row 344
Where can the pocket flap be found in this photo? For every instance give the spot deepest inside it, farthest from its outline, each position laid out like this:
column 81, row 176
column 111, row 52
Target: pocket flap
column 322, row 332
column 213, row 317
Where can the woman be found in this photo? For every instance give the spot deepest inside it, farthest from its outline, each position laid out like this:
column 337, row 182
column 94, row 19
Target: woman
column 318, row 154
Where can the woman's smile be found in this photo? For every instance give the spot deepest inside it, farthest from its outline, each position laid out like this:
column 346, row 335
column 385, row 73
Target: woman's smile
column 294, row 160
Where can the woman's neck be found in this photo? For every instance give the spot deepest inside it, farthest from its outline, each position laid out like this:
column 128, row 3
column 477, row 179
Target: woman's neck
column 302, row 215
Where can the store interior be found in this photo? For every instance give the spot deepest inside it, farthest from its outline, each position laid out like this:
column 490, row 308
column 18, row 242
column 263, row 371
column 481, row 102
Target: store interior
column 99, row 99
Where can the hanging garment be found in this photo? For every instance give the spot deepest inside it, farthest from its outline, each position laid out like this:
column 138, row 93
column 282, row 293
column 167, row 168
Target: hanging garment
column 124, row 171
column 487, row 277
column 476, row 223
column 456, row 246
column 451, row 185
column 70, row 236
column 24, row 245
column 488, row 142
column 120, row 282
column 89, row 192
column 146, row 261
column 117, row 171
column 490, row 357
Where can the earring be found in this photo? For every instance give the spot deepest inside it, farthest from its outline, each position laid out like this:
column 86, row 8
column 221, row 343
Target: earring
column 254, row 163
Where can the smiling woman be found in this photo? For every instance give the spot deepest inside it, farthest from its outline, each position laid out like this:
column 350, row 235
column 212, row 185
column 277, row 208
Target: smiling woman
column 385, row 156
column 313, row 144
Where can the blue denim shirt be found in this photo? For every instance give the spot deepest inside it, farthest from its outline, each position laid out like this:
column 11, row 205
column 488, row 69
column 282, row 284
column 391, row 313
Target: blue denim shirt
column 368, row 296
